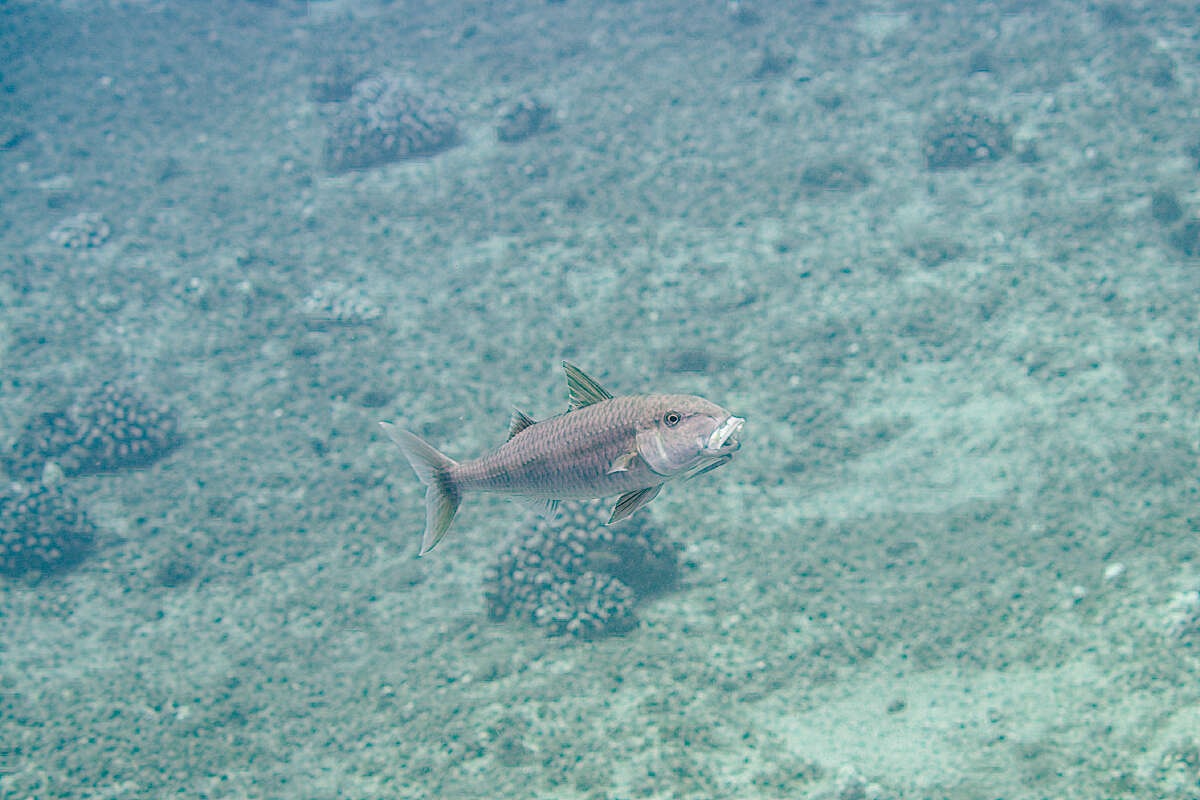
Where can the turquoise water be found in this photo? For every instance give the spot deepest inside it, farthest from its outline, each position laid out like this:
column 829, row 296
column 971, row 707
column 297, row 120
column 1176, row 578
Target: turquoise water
column 942, row 258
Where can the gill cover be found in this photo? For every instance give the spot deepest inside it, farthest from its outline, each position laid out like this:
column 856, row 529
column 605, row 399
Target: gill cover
column 674, row 449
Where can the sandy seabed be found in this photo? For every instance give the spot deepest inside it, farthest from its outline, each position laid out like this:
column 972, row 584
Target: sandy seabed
column 953, row 559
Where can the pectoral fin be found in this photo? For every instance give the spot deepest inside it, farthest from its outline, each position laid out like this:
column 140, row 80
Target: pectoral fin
column 632, row 501
column 623, row 462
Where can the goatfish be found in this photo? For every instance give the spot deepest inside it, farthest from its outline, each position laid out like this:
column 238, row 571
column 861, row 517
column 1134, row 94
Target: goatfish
column 600, row 447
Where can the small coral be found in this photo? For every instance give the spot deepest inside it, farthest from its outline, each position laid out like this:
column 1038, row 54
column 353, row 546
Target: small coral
column 981, row 61
column 84, row 230
column 386, row 119
column 334, row 80
column 572, row 574
column 934, row 251
column 1183, row 617
column 12, row 133
column 1165, row 207
column 522, row 118
column 688, row 359
column 1186, row 238
column 335, row 303
column 110, row 428
column 837, row 176
column 850, row 785
column 964, row 138
column 771, row 64
column 41, row 530
column 743, row 13
column 1193, row 152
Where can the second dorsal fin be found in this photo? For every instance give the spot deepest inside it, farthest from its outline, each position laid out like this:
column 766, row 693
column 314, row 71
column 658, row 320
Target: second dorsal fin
column 582, row 390
column 519, row 422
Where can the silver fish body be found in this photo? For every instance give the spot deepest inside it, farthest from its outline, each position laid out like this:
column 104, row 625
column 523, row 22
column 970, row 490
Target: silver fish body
column 603, row 446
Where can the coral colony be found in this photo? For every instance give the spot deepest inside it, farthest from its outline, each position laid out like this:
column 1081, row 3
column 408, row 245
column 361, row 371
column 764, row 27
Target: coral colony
column 572, row 574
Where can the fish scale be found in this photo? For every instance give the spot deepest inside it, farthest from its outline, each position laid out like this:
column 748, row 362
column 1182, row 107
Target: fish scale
column 602, row 446
column 569, row 456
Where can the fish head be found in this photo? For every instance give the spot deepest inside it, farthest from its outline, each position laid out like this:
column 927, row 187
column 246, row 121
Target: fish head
column 681, row 434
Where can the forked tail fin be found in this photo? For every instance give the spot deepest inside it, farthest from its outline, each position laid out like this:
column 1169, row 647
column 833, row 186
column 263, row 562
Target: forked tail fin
column 433, row 469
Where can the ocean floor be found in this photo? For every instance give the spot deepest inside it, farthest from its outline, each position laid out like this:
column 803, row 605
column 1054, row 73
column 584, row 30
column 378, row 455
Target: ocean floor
column 957, row 556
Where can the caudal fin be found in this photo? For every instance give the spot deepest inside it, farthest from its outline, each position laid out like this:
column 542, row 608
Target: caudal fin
column 433, row 468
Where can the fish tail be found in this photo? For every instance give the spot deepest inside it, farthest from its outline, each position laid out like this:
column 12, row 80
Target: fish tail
column 441, row 493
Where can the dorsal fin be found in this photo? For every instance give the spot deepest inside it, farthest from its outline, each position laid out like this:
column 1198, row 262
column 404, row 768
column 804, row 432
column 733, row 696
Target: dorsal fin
column 582, row 390
column 518, row 422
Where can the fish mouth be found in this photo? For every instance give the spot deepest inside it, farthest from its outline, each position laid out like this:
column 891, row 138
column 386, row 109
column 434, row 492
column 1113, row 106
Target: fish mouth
column 723, row 440
column 718, row 451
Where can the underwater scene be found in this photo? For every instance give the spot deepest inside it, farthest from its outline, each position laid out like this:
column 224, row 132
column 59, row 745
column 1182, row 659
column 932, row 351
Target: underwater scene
column 778, row 399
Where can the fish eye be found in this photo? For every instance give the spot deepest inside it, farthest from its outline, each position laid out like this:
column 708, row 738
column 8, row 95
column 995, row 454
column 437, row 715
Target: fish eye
column 671, row 419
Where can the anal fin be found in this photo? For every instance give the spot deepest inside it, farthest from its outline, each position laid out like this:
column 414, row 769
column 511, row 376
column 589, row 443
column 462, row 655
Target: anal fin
column 538, row 505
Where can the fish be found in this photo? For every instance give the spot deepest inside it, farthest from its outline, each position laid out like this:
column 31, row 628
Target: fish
column 601, row 446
